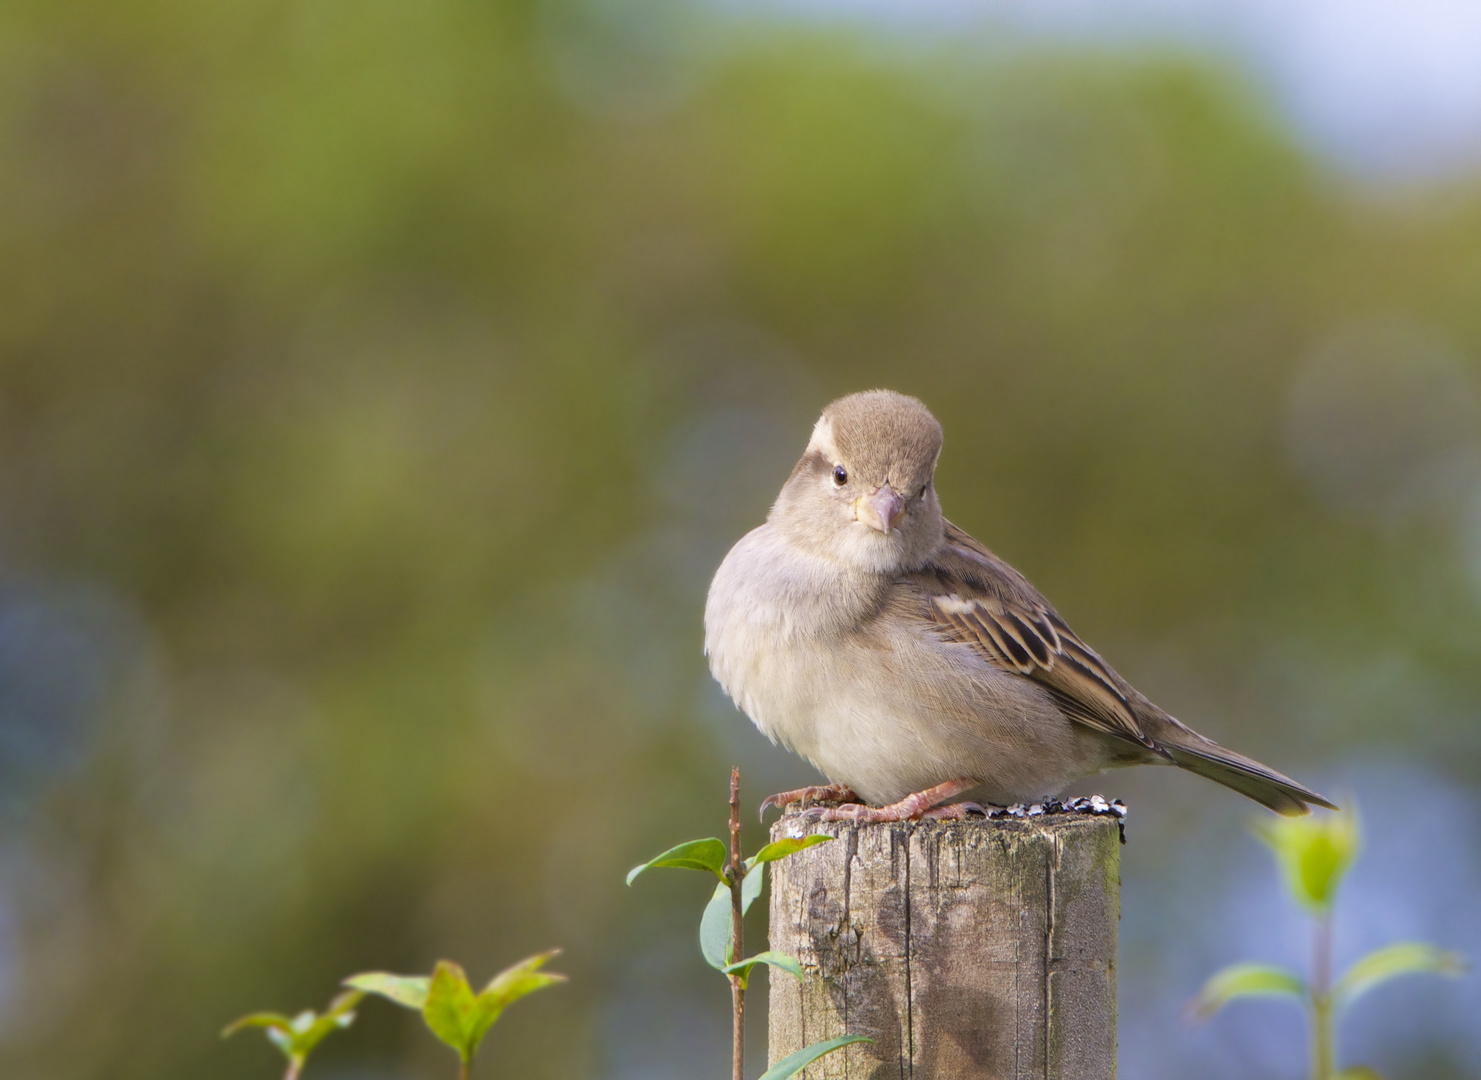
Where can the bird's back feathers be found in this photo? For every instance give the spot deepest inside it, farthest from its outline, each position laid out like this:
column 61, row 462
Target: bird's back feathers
column 975, row 598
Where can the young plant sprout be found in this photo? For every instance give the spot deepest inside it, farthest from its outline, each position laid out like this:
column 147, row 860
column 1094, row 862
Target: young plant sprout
column 297, row 1036
column 448, row 1005
column 721, row 936
column 1314, row 854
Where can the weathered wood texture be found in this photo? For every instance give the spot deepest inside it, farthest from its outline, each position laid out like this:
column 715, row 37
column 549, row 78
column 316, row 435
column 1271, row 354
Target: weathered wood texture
column 967, row 950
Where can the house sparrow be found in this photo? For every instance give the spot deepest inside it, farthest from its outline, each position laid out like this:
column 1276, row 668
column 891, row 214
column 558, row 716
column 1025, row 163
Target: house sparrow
column 862, row 630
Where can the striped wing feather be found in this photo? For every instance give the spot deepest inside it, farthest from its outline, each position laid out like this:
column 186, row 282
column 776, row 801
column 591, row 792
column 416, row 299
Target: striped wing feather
column 977, row 599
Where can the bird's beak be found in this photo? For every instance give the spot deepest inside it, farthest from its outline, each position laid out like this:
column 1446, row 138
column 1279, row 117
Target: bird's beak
column 881, row 510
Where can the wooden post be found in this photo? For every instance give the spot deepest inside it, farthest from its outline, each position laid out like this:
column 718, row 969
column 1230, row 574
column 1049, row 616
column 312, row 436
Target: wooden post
column 967, row 950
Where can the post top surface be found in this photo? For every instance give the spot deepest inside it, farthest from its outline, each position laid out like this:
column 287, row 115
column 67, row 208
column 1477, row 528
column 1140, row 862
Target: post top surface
column 800, row 823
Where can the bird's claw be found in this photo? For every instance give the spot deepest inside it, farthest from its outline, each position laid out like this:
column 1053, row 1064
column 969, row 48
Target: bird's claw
column 911, row 808
column 816, row 793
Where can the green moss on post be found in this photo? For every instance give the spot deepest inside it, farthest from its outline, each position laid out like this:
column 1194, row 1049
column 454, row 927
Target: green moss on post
column 967, row 950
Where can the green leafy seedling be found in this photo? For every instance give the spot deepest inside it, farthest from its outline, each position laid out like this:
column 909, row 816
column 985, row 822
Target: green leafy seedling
column 715, row 931
column 740, row 883
column 450, row 1008
column 296, row 1036
column 1314, row 855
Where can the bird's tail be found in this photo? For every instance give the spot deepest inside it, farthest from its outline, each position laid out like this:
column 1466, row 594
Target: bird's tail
column 1245, row 775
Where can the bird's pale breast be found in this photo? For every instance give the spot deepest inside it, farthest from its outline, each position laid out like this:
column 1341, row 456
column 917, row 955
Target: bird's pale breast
column 879, row 703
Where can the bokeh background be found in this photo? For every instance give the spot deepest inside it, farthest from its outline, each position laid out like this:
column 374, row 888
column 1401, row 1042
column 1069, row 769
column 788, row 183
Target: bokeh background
column 380, row 383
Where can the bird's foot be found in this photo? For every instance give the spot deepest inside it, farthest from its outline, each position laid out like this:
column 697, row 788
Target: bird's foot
column 817, row 793
column 910, row 808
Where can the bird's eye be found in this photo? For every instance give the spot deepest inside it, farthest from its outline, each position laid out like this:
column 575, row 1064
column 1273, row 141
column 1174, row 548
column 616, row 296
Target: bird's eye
column 840, row 475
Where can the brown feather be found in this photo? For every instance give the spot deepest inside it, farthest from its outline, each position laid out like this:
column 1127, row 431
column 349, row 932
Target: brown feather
column 977, row 599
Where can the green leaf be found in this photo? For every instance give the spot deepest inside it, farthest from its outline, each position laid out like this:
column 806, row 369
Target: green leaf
column 511, row 984
column 751, row 886
column 451, row 1007
column 1246, row 980
column 339, row 1015
column 788, row 845
column 755, row 879
column 778, row 960
column 793, row 1064
column 1314, row 854
column 408, row 991
column 256, row 1020
column 297, row 1036
column 282, row 1038
column 1405, row 958
column 714, row 929
column 708, row 855
column 447, row 1003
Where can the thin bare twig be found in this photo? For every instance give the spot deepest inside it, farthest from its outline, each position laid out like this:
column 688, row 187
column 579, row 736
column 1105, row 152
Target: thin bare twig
column 736, row 874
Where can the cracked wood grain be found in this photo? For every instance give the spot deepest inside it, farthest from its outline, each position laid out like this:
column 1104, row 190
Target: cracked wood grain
column 967, row 950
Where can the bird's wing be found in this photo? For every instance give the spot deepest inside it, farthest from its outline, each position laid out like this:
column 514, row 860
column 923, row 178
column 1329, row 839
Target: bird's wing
column 973, row 597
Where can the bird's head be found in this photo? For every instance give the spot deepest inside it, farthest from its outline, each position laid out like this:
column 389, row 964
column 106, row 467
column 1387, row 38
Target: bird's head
column 863, row 493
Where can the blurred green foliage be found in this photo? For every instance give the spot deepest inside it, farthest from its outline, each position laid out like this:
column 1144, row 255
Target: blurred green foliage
column 448, row 1005
column 392, row 377
column 297, row 1036
column 717, row 924
column 1314, row 854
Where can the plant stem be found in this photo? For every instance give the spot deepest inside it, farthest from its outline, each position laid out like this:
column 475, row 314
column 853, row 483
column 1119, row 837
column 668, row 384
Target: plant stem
column 295, row 1066
column 1323, row 1042
column 465, row 1069
column 736, row 874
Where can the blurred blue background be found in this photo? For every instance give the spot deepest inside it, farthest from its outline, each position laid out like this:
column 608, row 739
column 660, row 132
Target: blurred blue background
column 381, row 383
